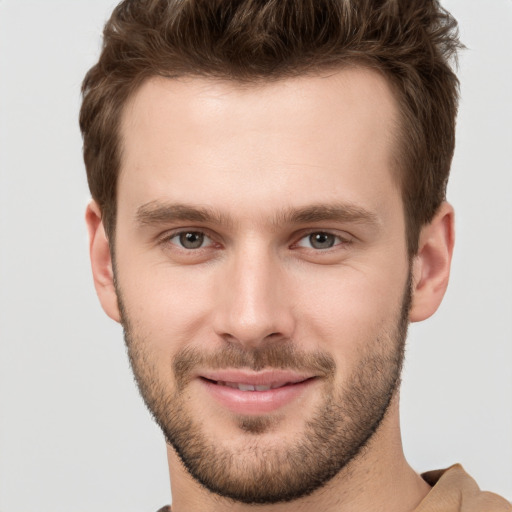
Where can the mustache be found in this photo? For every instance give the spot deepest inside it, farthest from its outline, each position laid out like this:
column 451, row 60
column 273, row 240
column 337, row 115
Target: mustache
column 281, row 355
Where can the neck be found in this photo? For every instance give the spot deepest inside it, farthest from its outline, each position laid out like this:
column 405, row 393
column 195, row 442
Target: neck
column 378, row 479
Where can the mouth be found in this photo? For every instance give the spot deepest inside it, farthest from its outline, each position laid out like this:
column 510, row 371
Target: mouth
column 255, row 392
column 242, row 386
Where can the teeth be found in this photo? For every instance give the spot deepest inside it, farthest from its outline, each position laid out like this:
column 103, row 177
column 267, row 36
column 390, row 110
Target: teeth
column 245, row 387
column 228, row 384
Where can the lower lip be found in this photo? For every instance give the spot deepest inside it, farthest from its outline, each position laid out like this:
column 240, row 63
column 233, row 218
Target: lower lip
column 256, row 402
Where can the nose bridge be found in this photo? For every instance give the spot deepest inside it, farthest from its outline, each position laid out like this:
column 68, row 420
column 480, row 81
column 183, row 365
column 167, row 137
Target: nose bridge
column 251, row 306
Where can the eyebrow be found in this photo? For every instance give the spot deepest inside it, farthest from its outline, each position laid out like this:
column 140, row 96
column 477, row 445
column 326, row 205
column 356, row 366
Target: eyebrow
column 338, row 212
column 158, row 212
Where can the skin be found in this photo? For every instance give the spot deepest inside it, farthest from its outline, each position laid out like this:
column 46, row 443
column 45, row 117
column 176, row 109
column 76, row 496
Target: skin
column 252, row 154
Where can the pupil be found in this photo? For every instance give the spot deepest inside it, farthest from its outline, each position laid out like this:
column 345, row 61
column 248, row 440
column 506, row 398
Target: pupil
column 321, row 240
column 192, row 240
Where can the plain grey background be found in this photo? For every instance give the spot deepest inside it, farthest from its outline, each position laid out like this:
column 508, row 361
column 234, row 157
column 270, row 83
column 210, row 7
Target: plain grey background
column 74, row 435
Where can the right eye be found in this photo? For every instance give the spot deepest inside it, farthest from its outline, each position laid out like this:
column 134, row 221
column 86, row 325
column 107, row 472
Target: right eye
column 190, row 240
column 319, row 240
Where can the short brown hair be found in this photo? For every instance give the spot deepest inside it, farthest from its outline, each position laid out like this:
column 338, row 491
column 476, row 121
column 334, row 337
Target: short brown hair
column 410, row 41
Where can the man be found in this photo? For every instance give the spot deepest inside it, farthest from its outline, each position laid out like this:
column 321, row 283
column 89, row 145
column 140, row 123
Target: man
column 268, row 215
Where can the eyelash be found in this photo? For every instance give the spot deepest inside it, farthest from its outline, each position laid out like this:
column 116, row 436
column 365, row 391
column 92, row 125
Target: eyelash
column 339, row 240
column 167, row 239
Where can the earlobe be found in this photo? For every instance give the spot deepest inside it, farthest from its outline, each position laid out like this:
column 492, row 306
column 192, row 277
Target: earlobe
column 101, row 262
column 431, row 266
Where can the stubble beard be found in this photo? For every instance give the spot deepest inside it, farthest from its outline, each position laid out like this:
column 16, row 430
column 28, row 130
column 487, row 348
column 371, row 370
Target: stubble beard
column 338, row 431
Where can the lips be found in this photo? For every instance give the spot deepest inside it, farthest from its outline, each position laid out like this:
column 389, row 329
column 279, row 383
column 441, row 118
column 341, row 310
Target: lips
column 249, row 387
column 255, row 381
column 255, row 392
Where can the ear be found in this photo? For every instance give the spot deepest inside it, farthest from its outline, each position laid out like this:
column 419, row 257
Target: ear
column 101, row 262
column 431, row 266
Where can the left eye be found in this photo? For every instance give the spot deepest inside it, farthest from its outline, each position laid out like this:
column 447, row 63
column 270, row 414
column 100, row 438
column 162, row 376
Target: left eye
column 320, row 240
column 190, row 239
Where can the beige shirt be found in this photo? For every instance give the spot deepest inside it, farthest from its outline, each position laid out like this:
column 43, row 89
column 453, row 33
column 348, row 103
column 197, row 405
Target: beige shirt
column 455, row 491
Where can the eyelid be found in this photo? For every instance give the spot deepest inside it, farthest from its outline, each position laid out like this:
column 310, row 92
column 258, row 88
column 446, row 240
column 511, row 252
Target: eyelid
column 168, row 236
column 344, row 238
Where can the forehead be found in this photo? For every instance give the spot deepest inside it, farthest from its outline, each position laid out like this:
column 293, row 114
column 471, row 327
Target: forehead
column 306, row 135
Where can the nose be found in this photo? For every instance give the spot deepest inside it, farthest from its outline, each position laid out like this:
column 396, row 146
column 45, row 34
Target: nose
column 252, row 306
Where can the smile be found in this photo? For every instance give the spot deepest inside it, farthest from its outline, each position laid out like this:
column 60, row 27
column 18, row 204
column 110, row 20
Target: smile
column 250, row 387
column 255, row 393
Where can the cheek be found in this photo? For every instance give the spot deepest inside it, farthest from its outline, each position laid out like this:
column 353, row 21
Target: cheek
column 169, row 307
column 350, row 310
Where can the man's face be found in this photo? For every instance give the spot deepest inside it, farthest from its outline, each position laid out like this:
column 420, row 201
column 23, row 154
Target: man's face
column 262, row 273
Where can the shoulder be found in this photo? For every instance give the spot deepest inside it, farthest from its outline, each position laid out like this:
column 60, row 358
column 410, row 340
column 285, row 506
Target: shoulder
column 454, row 490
